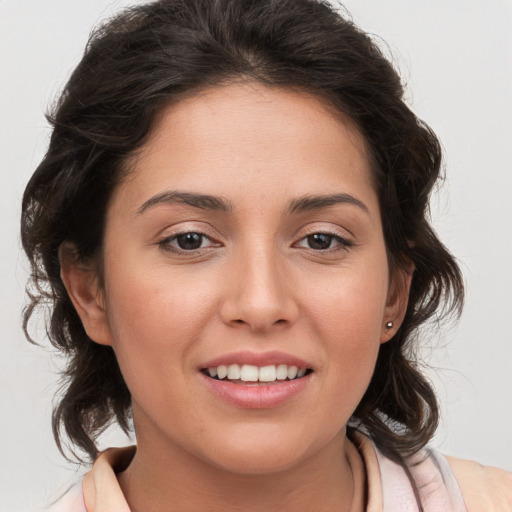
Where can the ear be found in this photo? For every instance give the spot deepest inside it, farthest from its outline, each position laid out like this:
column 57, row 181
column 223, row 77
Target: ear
column 82, row 283
column 398, row 298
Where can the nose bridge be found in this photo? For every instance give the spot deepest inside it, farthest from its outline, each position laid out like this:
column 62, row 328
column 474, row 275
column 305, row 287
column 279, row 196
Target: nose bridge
column 258, row 294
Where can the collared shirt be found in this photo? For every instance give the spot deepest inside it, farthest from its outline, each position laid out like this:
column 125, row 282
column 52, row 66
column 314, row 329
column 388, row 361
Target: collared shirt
column 445, row 484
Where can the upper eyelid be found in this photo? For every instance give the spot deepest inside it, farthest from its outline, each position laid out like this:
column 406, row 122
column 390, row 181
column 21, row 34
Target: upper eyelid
column 333, row 230
column 185, row 231
column 213, row 234
column 175, row 235
column 343, row 242
column 178, row 229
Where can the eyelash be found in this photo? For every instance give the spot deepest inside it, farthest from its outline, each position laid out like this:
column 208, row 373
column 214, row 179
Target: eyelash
column 165, row 244
column 344, row 244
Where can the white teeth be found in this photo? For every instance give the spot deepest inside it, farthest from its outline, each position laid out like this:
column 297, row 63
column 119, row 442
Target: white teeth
column 267, row 373
column 251, row 373
column 222, row 371
column 292, row 372
column 282, row 372
column 233, row 372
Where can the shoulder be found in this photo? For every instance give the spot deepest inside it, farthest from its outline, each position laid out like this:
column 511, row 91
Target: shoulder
column 442, row 483
column 71, row 501
column 424, row 482
column 484, row 488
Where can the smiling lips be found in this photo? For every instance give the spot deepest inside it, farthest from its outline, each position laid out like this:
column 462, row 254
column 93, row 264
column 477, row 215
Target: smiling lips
column 251, row 373
column 261, row 381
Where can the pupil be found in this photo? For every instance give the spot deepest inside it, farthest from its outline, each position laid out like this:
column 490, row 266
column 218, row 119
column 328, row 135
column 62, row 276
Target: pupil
column 189, row 241
column 319, row 241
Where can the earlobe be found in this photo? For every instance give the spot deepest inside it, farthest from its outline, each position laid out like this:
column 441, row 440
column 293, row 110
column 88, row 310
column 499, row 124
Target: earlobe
column 398, row 298
column 82, row 284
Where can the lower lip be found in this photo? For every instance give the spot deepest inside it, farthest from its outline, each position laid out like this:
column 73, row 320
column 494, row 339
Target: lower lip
column 256, row 396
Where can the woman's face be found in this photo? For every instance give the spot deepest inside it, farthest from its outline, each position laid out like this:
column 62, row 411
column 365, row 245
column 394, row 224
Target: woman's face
column 248, row 233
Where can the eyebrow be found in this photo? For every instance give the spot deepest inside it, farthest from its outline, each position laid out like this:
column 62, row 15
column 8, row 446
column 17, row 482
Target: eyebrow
column 215, row 203
column 318, row 202
column 202, row 201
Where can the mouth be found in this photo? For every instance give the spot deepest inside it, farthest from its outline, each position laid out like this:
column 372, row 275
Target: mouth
column 248, row 374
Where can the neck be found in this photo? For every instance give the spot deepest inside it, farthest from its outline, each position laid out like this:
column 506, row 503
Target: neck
column 171, row 479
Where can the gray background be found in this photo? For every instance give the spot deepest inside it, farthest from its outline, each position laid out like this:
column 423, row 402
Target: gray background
column 456, row 57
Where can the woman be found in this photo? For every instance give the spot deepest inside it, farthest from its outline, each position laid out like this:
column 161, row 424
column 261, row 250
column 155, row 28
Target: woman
column 230, row 223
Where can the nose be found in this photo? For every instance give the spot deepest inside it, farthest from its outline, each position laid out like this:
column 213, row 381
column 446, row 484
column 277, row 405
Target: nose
column 259, row 293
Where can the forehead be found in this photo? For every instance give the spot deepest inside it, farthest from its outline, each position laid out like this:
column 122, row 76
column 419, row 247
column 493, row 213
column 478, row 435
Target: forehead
column 251, row 109
column 222, row 138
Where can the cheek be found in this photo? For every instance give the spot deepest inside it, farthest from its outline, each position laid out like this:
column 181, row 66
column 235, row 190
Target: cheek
column 156, row 318
column 351, row 327
column 349, row 305
column 144, row 297
column 347, row 314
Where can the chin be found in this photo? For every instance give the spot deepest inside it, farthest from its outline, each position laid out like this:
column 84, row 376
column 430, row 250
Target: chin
column 263, row 454
column 262, row 463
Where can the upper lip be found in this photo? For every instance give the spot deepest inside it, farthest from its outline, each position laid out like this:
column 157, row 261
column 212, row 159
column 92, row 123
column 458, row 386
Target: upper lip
column 256, row 359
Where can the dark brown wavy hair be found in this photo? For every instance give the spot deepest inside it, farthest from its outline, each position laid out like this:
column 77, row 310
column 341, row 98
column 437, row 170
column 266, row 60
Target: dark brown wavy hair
column 154, row 54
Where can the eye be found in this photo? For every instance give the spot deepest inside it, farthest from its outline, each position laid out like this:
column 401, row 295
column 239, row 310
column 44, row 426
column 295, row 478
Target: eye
column 186, row 242
column 324, row 242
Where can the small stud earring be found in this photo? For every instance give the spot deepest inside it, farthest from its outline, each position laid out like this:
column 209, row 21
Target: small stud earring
column 389, row 325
